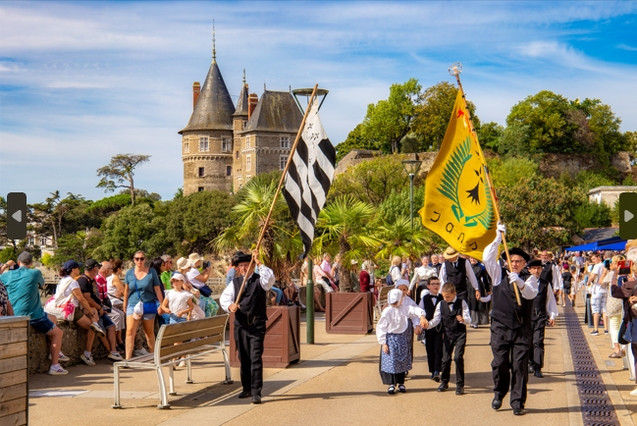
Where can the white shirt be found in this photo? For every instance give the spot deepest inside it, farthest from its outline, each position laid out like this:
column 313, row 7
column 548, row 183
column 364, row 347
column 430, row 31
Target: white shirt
column 422, row 273
column 551, row 304
column 192, row 275
column 472, row 277
column 266, row 280
column 598, row 270
column 178, row 300
column 466, row 316
column 490, row 261
column 395, row 320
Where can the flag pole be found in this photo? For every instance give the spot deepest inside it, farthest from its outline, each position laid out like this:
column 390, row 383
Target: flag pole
column 455, row 70
column 278, row 190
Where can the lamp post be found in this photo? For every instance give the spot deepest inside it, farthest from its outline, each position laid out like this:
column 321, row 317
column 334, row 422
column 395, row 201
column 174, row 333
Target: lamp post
column 411, row 167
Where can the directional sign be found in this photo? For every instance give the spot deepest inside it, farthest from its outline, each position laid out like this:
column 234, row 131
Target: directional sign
column 16, row 215
column 628, row 215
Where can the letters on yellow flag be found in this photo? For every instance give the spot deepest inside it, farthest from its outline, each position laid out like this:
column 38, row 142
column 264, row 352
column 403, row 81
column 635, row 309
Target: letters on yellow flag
column 458, row 202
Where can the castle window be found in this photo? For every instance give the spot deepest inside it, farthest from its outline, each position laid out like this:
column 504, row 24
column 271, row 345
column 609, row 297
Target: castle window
column 236, row 155
column 228, row 170
column 186, row 147
column 285, row 141
column 247, row 142
column 204, row 144
column 226, row 145
column 282, row 160
column 200, row 189
column 244, row 124
column 201, row 172
column 248, row 162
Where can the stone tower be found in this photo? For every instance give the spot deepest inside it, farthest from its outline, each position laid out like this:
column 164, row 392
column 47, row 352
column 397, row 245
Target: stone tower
column 207, row 139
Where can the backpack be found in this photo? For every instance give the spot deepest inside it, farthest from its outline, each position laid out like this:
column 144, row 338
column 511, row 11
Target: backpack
column 388, row 279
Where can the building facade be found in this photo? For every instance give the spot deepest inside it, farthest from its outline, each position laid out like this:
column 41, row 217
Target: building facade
column 224, row 146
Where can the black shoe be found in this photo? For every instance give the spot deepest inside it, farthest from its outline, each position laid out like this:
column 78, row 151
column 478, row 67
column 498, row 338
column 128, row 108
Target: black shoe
column 245, row 394
column 256, row 399
column 538, row 373
column 443, row 387
column 459, row 390
column 436, row 376
column 518, row 411
column 496, row 403
column 531, row 369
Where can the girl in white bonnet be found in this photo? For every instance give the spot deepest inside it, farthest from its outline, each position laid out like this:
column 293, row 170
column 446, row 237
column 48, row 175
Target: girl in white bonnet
column 392, row 332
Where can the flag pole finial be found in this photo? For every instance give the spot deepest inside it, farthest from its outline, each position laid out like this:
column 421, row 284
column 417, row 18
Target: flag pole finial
column 455, row 69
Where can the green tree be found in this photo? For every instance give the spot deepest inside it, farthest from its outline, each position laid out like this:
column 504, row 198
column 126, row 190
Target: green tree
column 539, row 212
column 490, row 135
column 545, row 116
column 344, row 226
column 355, row 140
column 507, row 171
column 593, row 215
column 432, row 114
column 281, row 244
column 387, row 122
column 373, row 180
column 126, row 232
column 78, row 246
column 120, row 172
column 604, row 126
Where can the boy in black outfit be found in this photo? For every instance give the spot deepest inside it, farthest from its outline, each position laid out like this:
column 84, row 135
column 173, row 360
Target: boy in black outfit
column 453, row 313
column 433, row 336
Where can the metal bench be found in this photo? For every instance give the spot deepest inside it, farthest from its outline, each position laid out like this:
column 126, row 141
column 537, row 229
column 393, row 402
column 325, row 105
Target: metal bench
column 190, row 339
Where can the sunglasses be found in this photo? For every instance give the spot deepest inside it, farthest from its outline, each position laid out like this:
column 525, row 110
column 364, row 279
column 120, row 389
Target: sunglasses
column 139, row 258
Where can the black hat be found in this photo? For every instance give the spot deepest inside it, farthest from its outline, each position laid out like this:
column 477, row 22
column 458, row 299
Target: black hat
column 240, row 257
column 92, row 263
column 517, row 251
column 534, row 262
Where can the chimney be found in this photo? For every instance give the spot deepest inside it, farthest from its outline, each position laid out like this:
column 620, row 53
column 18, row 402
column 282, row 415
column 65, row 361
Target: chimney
column 253, row 100
column 196, row 88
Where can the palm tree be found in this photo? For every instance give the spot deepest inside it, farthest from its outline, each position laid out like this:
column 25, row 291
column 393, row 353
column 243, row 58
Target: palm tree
column 281, row 244
column 346, row 226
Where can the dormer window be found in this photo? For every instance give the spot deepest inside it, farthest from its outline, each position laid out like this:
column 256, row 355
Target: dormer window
column 284, row 141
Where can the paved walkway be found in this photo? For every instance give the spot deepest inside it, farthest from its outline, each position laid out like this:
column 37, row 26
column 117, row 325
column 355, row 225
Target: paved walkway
column 336, row 382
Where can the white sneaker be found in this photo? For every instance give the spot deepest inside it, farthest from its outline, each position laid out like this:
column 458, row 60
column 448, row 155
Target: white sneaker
column 88, row 360
column 61, row 357
column 140, row 352
column 634, row 392
column 96, row 328
column 114, row 356
column 182, row 363
column 57, row 370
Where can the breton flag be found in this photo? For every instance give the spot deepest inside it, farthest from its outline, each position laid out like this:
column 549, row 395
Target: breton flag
column 458, row 202
column 309, row 176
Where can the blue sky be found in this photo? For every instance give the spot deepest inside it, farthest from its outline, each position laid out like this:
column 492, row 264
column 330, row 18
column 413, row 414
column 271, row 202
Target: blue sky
column 83, row 81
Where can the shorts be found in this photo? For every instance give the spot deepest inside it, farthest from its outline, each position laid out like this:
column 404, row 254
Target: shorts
column 598, row 303
column 174, row 319
column 567, row 289
column 42, row 325
column 130, row 311
column 105, row 322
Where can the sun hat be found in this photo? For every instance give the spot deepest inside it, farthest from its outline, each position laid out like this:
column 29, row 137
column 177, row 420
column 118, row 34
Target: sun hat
column 450, row 253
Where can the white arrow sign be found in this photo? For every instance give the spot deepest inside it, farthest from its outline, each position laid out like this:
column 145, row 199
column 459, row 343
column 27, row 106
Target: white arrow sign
column 17, row 216
column 628, row 216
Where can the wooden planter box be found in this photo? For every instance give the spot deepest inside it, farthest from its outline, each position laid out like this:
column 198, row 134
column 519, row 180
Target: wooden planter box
column 349, row 313
column 14, row 340
column 282, row 344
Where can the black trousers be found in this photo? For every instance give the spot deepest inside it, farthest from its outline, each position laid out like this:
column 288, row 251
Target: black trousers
column 249, row 340
column 536, row 352
column 457, row 347
column 433, row 344
column 510, row 348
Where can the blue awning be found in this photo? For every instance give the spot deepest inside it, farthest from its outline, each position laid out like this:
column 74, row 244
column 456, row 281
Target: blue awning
column 618, row 246
column 615, row 243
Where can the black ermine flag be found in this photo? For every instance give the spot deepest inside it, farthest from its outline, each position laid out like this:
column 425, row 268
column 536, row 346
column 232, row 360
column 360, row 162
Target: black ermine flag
column 309, row 176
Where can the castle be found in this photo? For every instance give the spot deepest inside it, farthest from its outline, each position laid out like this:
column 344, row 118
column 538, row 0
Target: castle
column 223, row 146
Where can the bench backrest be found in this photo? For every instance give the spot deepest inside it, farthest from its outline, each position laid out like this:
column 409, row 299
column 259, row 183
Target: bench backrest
column 382, row 295
column 189, row 335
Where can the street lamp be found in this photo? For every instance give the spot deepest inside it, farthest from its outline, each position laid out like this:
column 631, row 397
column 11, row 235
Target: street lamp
column 411, row 167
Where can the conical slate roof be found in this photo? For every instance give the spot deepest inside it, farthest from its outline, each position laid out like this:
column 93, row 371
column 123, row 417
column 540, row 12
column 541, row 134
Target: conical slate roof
column 242, row 103
column 214, row 107
column 275, row 112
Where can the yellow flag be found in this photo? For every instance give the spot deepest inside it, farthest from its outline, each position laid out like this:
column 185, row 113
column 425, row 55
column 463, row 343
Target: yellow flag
column 458, row 202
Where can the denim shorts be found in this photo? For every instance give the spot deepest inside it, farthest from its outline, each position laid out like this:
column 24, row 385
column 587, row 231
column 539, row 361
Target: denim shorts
column 105, row 322
column 42, row 325
column 130, row 311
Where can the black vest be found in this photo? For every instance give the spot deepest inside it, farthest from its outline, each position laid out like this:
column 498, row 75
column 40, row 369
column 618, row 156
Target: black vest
column 539, row 303
column 252, row 308
column 429, row 302
column 457, row 276
column 504, row 306
column 452, row 328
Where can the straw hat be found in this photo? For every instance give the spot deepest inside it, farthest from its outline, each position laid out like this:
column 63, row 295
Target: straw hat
column 450, row 253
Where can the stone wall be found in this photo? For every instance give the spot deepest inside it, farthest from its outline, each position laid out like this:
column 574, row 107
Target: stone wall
column 73, row 342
